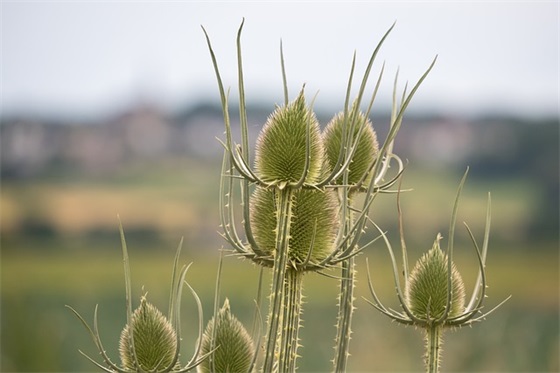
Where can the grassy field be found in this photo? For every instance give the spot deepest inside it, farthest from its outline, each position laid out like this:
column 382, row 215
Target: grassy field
column 73, row 258
column 39, row 334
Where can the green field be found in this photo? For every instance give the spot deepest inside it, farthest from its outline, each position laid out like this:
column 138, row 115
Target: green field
column 60, row 246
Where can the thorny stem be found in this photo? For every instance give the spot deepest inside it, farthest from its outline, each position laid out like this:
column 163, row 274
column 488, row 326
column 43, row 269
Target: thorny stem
column 433, row 348
column 345, row 311
column 291, row 321
column 285, row 197
column 345, row 306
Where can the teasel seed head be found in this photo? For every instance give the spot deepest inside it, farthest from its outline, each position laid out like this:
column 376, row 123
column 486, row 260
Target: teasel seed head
column 367, row 147
column 154, row 341
column 234, row 349
column 427, row 291
column 281, row 147
column 313, row 225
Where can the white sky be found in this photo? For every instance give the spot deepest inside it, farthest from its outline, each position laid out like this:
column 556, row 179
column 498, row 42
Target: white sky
column 91, row 57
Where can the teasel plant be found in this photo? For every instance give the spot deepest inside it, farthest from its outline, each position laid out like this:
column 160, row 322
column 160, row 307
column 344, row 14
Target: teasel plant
column 434, row 297
column 296, row 209
column 150, row 341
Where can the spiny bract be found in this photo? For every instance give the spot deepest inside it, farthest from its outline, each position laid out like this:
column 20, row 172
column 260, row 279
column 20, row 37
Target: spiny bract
column 281, row 146
column 314, row 221
column 233, row 346
column 155, row 340
column 367, row 146
column 426, row 293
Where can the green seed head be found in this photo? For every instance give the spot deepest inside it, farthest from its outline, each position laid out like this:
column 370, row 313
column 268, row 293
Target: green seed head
column 312, row 227
column 234, row 347
column 426, row 293
column 281, row 146
column 155, row 340
column 367, row 147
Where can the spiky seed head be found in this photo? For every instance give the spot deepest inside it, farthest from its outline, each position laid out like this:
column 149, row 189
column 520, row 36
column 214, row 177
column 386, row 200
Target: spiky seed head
column 155, row 340
column 426, row 293
column 281, row 146
column 314, row 221
column 367, row 148
column 234, row 347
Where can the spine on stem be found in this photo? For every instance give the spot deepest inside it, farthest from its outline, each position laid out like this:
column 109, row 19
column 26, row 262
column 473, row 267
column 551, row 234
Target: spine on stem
column 278, row 276
column 433, row 348
column 345, row 311
column 351, row 133
column 291, row 321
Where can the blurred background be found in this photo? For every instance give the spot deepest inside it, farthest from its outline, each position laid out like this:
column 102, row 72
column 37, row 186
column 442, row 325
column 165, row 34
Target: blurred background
column 113, row 109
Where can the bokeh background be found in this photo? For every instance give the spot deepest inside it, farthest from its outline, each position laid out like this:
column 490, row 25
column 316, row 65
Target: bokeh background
column 112, row 109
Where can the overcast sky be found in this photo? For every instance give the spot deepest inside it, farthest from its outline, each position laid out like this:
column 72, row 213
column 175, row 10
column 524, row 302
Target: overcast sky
column 93, row 57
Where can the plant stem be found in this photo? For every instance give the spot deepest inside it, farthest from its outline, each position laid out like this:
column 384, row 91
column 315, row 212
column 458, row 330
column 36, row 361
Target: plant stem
column 345, row 310
column 291, row 321
column 433, row 348
column 279, row 275
column 345, row 303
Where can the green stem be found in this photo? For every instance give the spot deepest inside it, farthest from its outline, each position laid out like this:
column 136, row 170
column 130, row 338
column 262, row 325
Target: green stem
column 291, row 321
column 345, row 311
column 433, row 348
column 278, row 276
column 345, row 303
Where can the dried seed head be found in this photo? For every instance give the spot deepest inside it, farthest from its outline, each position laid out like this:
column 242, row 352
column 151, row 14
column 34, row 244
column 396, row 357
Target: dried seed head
column 426, row 293
column 313, row 224
column 281, row 146
column 234, row 347
column 155, row 340
column 367, row 147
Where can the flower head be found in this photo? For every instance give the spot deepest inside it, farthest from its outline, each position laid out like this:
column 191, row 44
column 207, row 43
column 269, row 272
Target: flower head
column 232, row 347
column 290, row 145
column 426, row 291
column 365, row 153
column 313, row 229
column 154, row 338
